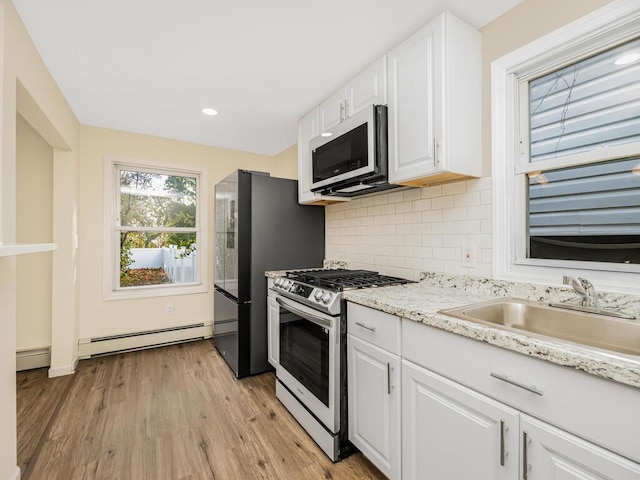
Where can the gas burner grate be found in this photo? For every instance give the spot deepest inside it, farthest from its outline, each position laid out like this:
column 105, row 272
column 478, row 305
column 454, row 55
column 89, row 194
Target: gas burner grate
column 341, row 279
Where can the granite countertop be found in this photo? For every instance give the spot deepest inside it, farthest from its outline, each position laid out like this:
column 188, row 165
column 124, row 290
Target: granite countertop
column 421, row 302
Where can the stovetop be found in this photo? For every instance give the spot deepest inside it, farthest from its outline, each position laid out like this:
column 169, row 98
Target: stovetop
column 322, row 289
column 341, row 279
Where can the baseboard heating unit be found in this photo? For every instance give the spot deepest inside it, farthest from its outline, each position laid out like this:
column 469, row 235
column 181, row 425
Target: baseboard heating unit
column 33, row 358
column 128, row 342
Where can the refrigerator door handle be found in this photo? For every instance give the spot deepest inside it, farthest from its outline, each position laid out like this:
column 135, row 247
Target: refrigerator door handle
column 307, row 316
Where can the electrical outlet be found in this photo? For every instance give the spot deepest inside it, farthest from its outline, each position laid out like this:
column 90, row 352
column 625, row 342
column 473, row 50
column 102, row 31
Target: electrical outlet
column 469, row 256
column 170, row 309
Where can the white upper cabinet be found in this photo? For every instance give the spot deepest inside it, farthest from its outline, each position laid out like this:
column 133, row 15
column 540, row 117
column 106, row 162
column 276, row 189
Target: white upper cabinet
column 435, row 118
column 368, row 88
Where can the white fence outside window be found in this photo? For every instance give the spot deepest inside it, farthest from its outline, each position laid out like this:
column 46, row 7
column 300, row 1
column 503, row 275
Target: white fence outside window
column 179, row 266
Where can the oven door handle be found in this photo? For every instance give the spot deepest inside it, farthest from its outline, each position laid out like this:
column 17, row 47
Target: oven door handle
column 307, row 316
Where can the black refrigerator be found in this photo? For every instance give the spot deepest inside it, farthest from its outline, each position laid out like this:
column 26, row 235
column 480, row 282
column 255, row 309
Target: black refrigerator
column 259, row 226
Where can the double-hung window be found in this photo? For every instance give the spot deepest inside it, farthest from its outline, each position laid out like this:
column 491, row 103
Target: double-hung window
column 155, row 244
column 566, row 149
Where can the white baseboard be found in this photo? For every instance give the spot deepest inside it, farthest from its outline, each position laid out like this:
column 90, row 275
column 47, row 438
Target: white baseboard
column 61, row 371
column 33, row 358
column 88, row 347
column 16, row 474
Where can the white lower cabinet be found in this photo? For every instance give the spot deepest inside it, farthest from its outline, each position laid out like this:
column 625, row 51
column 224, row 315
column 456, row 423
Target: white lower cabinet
column 451, row 432
column 424, row 405
column 374, row 404
column 551, row 453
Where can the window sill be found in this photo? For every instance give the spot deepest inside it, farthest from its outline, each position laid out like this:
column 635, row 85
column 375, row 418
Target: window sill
column 154, row 291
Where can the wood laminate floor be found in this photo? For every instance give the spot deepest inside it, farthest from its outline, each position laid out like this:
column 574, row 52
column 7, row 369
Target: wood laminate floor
column 168, row 413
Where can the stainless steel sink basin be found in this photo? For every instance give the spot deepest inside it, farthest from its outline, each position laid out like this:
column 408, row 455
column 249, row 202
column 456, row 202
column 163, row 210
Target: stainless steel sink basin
column 523, row 316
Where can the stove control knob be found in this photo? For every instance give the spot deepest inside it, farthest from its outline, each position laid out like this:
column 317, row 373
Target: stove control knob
column 277, row 282
column 318, row 295
column 326, row 298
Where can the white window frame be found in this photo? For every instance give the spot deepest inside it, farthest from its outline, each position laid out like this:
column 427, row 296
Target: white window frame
column 602, row 29
column 111, row 261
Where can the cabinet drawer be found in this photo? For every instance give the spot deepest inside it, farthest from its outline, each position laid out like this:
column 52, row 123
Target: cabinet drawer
column 378, row 328
column 599, row 410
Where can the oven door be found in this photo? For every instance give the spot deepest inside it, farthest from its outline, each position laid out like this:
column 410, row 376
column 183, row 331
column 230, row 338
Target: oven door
column 310, row 359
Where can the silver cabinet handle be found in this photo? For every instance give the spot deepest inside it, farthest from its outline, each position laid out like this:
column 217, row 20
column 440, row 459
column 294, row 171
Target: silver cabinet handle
column 346, row 111
column 435, row 152
column 502, row 443
column 528, row 388
column 342, row 109
column 366, row 327
column 525, row 462
column 388, row 379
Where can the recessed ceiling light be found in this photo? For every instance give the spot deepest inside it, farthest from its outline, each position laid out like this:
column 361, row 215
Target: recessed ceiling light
column 628, row 58
column 326, row 134
column 209, row 111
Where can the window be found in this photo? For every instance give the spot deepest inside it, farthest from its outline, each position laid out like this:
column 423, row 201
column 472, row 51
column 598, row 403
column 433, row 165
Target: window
column 155, row 230
column 566, row 152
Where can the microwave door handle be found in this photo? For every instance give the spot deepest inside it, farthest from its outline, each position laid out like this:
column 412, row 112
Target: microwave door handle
column 307, row 316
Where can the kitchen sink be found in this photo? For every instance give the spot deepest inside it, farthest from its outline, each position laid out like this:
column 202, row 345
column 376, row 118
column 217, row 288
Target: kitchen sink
column 524, row 316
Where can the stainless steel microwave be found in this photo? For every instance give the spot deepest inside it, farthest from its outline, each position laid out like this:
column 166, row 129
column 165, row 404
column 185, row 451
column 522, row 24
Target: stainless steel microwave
column 352, row 156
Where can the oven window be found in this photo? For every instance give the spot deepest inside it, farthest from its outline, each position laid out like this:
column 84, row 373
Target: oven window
column 344, row 154
column 304, row 353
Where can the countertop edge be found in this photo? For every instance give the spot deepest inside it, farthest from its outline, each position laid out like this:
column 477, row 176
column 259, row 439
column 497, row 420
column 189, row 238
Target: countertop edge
column 595, row 363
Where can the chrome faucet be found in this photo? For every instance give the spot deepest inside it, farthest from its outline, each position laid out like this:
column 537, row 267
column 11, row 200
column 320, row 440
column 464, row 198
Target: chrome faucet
column 584, row 288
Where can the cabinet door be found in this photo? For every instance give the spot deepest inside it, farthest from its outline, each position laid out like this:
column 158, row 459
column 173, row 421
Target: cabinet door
column 368, row 88
column 374, row 404
column 307, row 129
column 273, row 344
column 452, row 432
column 331, row 111
column 415, row 104
column 550, row 453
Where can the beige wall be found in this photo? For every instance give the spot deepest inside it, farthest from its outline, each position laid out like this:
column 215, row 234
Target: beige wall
column 34, row 224
column 28, row 88
column 286, row 163
column 99, row 317
column 425, row 229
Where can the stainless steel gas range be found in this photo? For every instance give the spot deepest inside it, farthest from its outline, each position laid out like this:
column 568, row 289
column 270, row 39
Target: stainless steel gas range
column 311, row 379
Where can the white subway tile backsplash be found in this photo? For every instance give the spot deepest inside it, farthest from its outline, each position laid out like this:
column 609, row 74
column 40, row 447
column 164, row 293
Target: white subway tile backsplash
column 380, row 200
column 430, row 192
column 405, row 232
column 454, row 214
column 387, row 209
column 454, row 188
column 468, row 199
column 442, row 228
column 412, row 217
column 432, row 216
column 424, row 204
column 403, row 207
column 442, row 202
column 468, row 227
column 411, row 194
column 394, row 197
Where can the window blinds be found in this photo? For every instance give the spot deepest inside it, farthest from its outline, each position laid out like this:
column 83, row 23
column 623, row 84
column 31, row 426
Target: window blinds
column 586, row 105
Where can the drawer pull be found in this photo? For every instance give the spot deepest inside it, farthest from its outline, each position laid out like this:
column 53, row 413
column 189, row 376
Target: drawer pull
column 528, row 388
column 367, row 327
column 525, row 463
column 502, row 443
column 388, row 379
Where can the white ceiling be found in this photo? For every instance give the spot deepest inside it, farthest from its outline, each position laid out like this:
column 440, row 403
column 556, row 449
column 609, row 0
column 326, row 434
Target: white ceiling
column 150, row 66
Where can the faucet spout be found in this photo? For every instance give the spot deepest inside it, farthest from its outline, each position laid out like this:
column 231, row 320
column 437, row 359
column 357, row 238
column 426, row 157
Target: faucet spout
column 584, row 288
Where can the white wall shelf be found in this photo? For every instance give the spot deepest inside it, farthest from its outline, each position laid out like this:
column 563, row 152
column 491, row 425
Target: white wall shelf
column 12, row 249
